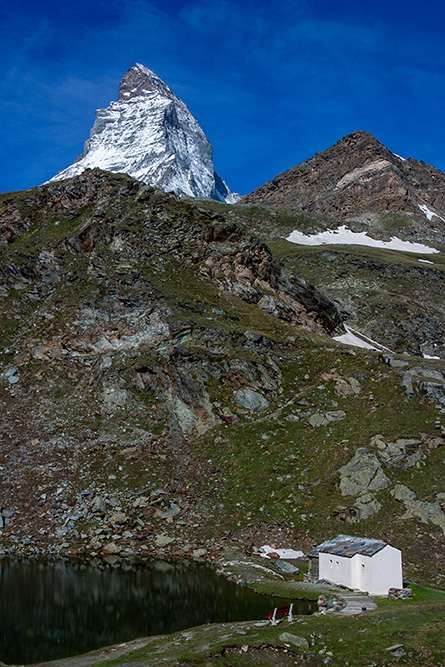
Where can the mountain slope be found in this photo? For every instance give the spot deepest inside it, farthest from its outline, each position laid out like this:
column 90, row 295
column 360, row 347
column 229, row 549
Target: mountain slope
column 167, row 385
column 150, row 134
column 356, row 177
column 394, row 297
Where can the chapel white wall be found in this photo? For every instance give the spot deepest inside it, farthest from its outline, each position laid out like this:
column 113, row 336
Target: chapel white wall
column 335, row 568
column 374, row 574
column 387, row 571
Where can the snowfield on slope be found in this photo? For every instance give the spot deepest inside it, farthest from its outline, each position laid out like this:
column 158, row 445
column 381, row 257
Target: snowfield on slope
column 345, row 236
column 357, row 339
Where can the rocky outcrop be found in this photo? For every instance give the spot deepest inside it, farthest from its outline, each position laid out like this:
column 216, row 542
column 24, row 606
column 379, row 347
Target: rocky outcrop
column 250, row 274
column 427, row 512
column 363, row 473
column 363, row 476
column 404, row 453
column 150, row 134
column 424, row 380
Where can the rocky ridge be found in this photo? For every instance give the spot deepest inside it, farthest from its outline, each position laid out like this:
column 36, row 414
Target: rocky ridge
column 150, row 134
column 359, row 178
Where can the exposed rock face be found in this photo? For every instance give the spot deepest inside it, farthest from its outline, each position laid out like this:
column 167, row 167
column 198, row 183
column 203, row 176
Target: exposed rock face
column 405, row 452
column 251, row 400
column 150, row 134
column 358, row 176
column 362, row 473
column 363, row 476
column 130, row 231
column 427, row 512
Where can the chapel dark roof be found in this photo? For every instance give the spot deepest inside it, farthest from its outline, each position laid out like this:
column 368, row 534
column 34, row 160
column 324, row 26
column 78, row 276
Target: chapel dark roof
column 348, row 546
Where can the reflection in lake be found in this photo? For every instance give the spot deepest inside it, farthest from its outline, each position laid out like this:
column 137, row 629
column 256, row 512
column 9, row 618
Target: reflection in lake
column 53, row 610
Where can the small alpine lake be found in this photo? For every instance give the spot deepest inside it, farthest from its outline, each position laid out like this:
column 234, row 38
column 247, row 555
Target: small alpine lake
column 51, row 610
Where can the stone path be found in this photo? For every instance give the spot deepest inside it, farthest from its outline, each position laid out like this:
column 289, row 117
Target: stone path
column 355, row 602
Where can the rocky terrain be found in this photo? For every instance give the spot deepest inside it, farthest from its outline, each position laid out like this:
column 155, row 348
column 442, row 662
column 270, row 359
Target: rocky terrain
column 396, row 298
column 360, row 179
column 150, row 134
column 114, row 316
column 168, row 386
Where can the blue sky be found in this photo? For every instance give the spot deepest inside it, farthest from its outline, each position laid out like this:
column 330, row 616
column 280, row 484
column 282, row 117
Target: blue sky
column 271, row 84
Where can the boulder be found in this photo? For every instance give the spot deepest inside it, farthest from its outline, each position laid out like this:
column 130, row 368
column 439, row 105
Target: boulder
column 141, row 501
column 163, row 540
column 111, row 548
column 172, row 512
column 115, row 398
column 324, row 418
column 199, row 553
column 407, row 384
column 283, row 566
column 347, row 386
column 250, row 399
column 267, row 304
column 362, row 473
column 434, row 390
column 367, row 505
column 296, row 640
column 98, row 506
column 393, row 362
column 427, row 512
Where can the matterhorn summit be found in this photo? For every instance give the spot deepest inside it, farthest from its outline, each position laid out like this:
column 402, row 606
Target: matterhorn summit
column 150, row 134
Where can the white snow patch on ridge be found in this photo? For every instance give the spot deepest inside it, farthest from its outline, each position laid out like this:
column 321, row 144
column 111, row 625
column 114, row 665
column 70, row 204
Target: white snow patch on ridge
column 357, row 339
column 429, row 213
column 345, row 236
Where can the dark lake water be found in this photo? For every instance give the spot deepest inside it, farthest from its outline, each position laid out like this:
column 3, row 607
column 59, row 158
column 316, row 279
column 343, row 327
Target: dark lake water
column 54, row 610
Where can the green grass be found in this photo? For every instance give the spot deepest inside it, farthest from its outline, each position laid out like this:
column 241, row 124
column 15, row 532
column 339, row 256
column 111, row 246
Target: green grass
column 350, row 641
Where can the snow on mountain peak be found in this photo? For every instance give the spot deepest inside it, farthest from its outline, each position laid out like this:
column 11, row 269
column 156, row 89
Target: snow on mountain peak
column 150, row 134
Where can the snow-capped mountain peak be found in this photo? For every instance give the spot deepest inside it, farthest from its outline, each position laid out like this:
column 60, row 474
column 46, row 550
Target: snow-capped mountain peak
column 150, row 134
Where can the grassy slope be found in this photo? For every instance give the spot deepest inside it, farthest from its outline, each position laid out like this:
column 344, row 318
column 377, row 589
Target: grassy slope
column 353, row 641
column 270, row 470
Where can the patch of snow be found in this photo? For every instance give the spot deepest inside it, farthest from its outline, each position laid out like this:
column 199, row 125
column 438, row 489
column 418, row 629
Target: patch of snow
column 425, row 261
column 345, row 236
column 402, row 158
column 233, row 197
column 429, row 213
column 427, row 356
column 357, row 339
column 282, row 553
